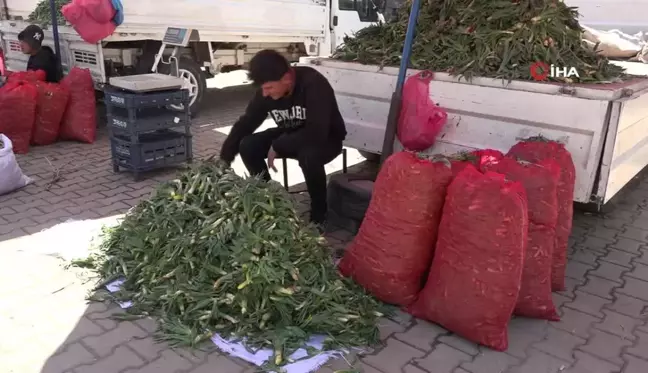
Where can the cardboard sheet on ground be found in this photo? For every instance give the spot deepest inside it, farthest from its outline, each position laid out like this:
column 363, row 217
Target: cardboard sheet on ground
column 302, row 363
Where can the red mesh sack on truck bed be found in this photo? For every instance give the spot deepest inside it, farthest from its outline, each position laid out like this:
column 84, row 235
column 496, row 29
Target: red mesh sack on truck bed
column 80, row 119
column 421, row 120
column 392, row 251
column 541, row 183
column 539, row 149
column 475, row 276
column 50, row 108
column 17, row 113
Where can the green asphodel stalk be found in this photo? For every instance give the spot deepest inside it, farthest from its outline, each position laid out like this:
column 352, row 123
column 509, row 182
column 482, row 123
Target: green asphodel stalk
column 212, row 252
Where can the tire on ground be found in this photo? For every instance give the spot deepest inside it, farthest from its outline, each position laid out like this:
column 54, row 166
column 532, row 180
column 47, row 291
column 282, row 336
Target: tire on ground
column 348, row 200
column 370, row 157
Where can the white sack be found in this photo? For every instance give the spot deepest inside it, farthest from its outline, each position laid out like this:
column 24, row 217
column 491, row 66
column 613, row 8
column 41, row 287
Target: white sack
column 613, row 43
column 11, row 176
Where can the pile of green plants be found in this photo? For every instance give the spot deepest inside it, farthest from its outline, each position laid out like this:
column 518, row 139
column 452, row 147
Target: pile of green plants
column 42, row 14
column 212, row 252
column 487, row 38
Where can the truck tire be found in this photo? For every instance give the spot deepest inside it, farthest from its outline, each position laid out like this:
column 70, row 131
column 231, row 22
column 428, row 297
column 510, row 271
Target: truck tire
column 195, row 81
column 370, row 157
column 348, row 200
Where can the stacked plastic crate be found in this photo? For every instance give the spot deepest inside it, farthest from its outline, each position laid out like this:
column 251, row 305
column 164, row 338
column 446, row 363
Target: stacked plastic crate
column 147, row 133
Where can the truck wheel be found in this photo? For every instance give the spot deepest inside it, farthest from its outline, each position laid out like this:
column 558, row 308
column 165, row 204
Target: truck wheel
column 195, row 82
column 370, row 157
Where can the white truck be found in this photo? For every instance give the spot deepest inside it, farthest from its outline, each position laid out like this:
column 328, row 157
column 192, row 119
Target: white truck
column 230, row 33
column 605, row 127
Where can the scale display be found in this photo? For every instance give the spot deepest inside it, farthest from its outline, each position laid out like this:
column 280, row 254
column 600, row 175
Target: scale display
column 177, row 36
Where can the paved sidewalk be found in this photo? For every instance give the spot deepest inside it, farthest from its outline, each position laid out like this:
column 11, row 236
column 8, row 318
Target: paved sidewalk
column 48, row 327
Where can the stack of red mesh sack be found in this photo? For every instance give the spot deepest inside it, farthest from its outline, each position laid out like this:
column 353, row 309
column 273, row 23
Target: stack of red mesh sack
column 35, row 112
column 489, row 233
column 502, row 241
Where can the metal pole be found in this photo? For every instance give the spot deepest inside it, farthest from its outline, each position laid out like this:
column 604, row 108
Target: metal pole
column 396, row 100
column 55, row 33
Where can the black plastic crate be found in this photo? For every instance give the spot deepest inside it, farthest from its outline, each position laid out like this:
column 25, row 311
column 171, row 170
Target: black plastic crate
column 124, row 122
column 154, row 150
column 132, row 101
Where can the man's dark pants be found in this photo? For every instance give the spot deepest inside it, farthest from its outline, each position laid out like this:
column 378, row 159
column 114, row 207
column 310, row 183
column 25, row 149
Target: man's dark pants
column 312, row 159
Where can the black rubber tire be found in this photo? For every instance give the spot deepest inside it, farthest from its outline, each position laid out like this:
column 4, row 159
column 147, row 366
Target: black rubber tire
column 189, row 65
column 370, row 157
column 348, row 200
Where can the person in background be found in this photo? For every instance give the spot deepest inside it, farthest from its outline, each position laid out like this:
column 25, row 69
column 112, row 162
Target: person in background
column 309, row 129
column 40, row 57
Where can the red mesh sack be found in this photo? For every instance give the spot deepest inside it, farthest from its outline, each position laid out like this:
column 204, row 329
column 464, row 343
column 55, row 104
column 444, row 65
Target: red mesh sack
column 420, row 119
column 538, row 149
column 30, row 76
column 475, row 276
column 392, row 251
column 91, row 30
column 3, row 67
column 50, row 108
column 80, row 119
column 101, row 11
column 17, row 113
column 541, row 183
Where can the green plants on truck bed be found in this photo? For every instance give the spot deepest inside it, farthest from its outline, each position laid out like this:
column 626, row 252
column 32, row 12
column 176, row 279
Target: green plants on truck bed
column 42, row 13
column 212, row 252
column 497, row 39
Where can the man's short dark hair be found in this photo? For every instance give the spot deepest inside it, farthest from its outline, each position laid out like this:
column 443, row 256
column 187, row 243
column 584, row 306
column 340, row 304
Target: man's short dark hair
column 267, row 66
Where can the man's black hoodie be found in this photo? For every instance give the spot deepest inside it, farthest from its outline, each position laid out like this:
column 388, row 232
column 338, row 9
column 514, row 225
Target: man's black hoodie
column 309, row 115
column 45, row 59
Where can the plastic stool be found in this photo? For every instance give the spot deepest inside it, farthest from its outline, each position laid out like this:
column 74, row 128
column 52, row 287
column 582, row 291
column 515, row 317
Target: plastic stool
column 284, row 162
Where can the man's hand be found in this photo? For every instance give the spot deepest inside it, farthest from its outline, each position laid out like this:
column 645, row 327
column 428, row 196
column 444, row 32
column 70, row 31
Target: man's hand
column 271, row 158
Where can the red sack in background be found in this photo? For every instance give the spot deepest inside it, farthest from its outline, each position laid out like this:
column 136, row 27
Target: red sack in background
column 29, row 76
column 392, row 251
column 80, row 119
column 475, row 276
column 538, row 149
column 81, row 18
column 17, row 113
column 541, row 183
column 3, row 67
column 101, row 11
column 421, row 120
column 50, row 108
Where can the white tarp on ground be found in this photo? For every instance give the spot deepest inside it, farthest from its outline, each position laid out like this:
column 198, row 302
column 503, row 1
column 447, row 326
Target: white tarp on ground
column 616, row 44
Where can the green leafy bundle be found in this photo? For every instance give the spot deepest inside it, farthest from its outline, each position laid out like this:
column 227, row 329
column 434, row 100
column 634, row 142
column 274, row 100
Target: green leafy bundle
column 486, row 38
column 42, row 14
column 213, row 252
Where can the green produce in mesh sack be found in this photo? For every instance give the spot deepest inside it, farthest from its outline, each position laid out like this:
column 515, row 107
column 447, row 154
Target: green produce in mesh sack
column 212, row 252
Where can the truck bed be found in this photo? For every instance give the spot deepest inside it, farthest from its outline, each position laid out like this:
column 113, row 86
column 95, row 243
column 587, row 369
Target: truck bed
column 605, row 127
column 253, row 20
